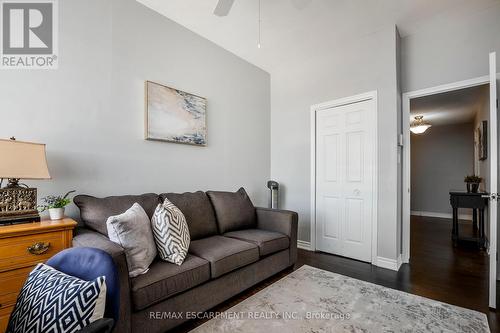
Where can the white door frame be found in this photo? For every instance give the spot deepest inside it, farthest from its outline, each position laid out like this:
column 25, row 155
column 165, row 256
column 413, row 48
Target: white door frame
column 372, row 95
column 407, row 152
column 493, row 208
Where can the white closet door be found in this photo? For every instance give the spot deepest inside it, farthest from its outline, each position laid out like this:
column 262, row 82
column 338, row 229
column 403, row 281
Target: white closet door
column 344, row 179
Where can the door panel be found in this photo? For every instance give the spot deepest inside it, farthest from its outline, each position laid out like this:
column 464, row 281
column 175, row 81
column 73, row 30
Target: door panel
column 354, row 117
column 332, row 216
column 355, row 156
column 354, row 220
column 331, row 153
column 344, row 183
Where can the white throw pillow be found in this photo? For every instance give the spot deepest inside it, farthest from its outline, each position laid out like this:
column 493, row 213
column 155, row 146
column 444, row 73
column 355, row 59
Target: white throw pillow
column 171, row 232
column 132, row 230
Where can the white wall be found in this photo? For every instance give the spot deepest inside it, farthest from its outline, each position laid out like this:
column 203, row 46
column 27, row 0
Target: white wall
column 451, row 47
column 90, row 111
column 440, row 159
column 337, row 71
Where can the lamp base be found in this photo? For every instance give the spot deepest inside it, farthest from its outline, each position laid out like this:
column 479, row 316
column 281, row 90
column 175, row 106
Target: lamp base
column 20, row 219
column 18, row 205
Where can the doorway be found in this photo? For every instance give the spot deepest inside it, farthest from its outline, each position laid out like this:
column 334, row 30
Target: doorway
column 441, row 157
column 491, row 174
column 453, row 148
column 344, row 177
column 407, row 119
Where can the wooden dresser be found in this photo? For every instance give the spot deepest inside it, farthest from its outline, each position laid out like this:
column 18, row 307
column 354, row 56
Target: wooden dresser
column 23, row 246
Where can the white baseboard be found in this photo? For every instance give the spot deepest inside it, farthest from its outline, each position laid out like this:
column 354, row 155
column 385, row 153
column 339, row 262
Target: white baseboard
column 381, row 261
column 441, row 215
column 304, row 245
column 392, row 264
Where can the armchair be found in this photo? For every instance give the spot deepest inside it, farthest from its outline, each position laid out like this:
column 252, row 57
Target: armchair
column 88, row 264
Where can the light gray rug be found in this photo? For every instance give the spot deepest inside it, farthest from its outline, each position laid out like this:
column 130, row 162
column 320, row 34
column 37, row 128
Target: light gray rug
column 314, row 300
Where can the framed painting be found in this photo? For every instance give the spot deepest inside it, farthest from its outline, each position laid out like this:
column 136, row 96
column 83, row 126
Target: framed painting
column 483, row 140
column 174, row 116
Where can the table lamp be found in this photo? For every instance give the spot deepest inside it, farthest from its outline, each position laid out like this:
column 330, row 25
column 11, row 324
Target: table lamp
column 20, row 160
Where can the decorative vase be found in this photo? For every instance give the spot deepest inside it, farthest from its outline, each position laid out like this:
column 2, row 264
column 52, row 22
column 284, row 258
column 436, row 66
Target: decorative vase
column 56, row 213
column 472, row 187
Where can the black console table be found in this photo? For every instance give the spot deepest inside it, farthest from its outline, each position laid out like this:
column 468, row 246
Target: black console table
column 478, row 203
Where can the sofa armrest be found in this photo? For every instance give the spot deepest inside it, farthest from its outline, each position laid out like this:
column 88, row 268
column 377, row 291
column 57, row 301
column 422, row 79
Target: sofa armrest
column 88, row 238
column 283, row 221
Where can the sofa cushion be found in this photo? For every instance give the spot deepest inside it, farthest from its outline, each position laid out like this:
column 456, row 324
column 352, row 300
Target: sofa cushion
column 95, row 211
column 198, row 211
column 224, row 254
column 267, row 241
column 165, row 280
column 234, row 211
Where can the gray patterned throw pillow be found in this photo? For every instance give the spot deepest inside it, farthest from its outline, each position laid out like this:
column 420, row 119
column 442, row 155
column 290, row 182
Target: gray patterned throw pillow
column 171, row 232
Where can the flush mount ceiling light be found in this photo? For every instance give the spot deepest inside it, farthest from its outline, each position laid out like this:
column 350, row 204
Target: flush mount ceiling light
column 419, row 126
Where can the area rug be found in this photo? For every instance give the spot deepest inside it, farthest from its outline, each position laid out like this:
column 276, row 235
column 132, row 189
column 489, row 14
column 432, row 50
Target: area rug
column 314, row 300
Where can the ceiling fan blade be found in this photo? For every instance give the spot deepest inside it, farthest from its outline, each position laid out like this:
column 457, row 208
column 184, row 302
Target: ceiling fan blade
column 223, row 7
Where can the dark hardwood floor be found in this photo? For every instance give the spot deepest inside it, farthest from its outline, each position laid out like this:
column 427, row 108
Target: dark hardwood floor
column 455, row 275
column 437, row 270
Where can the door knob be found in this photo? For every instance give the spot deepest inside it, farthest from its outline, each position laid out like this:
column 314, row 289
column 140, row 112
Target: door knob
column 357, row 192
column 491, row 196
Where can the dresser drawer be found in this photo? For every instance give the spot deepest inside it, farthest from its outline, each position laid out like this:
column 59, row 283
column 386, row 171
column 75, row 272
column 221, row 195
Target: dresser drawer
column 4, row 317
column 11, row 283
column 14, row 251
column 16, row 262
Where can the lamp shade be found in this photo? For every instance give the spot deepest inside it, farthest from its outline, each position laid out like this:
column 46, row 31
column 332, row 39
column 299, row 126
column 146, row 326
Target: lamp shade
column 24, row 160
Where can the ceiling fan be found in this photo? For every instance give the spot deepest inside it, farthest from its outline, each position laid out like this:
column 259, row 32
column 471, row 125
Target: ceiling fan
column 224, row 6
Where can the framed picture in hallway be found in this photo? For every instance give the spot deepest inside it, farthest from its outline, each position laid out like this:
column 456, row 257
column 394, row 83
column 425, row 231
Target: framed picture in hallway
column 482, row 133
column 173, row 115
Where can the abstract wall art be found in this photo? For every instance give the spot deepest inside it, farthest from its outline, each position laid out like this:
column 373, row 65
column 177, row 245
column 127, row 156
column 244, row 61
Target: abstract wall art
column 175, row 116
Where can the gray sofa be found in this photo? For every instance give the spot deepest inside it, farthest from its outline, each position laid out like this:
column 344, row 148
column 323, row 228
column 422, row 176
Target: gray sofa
column 232, row 248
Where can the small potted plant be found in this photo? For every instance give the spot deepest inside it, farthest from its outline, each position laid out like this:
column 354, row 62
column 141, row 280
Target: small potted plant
column 473, row 182
column 55, row 205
